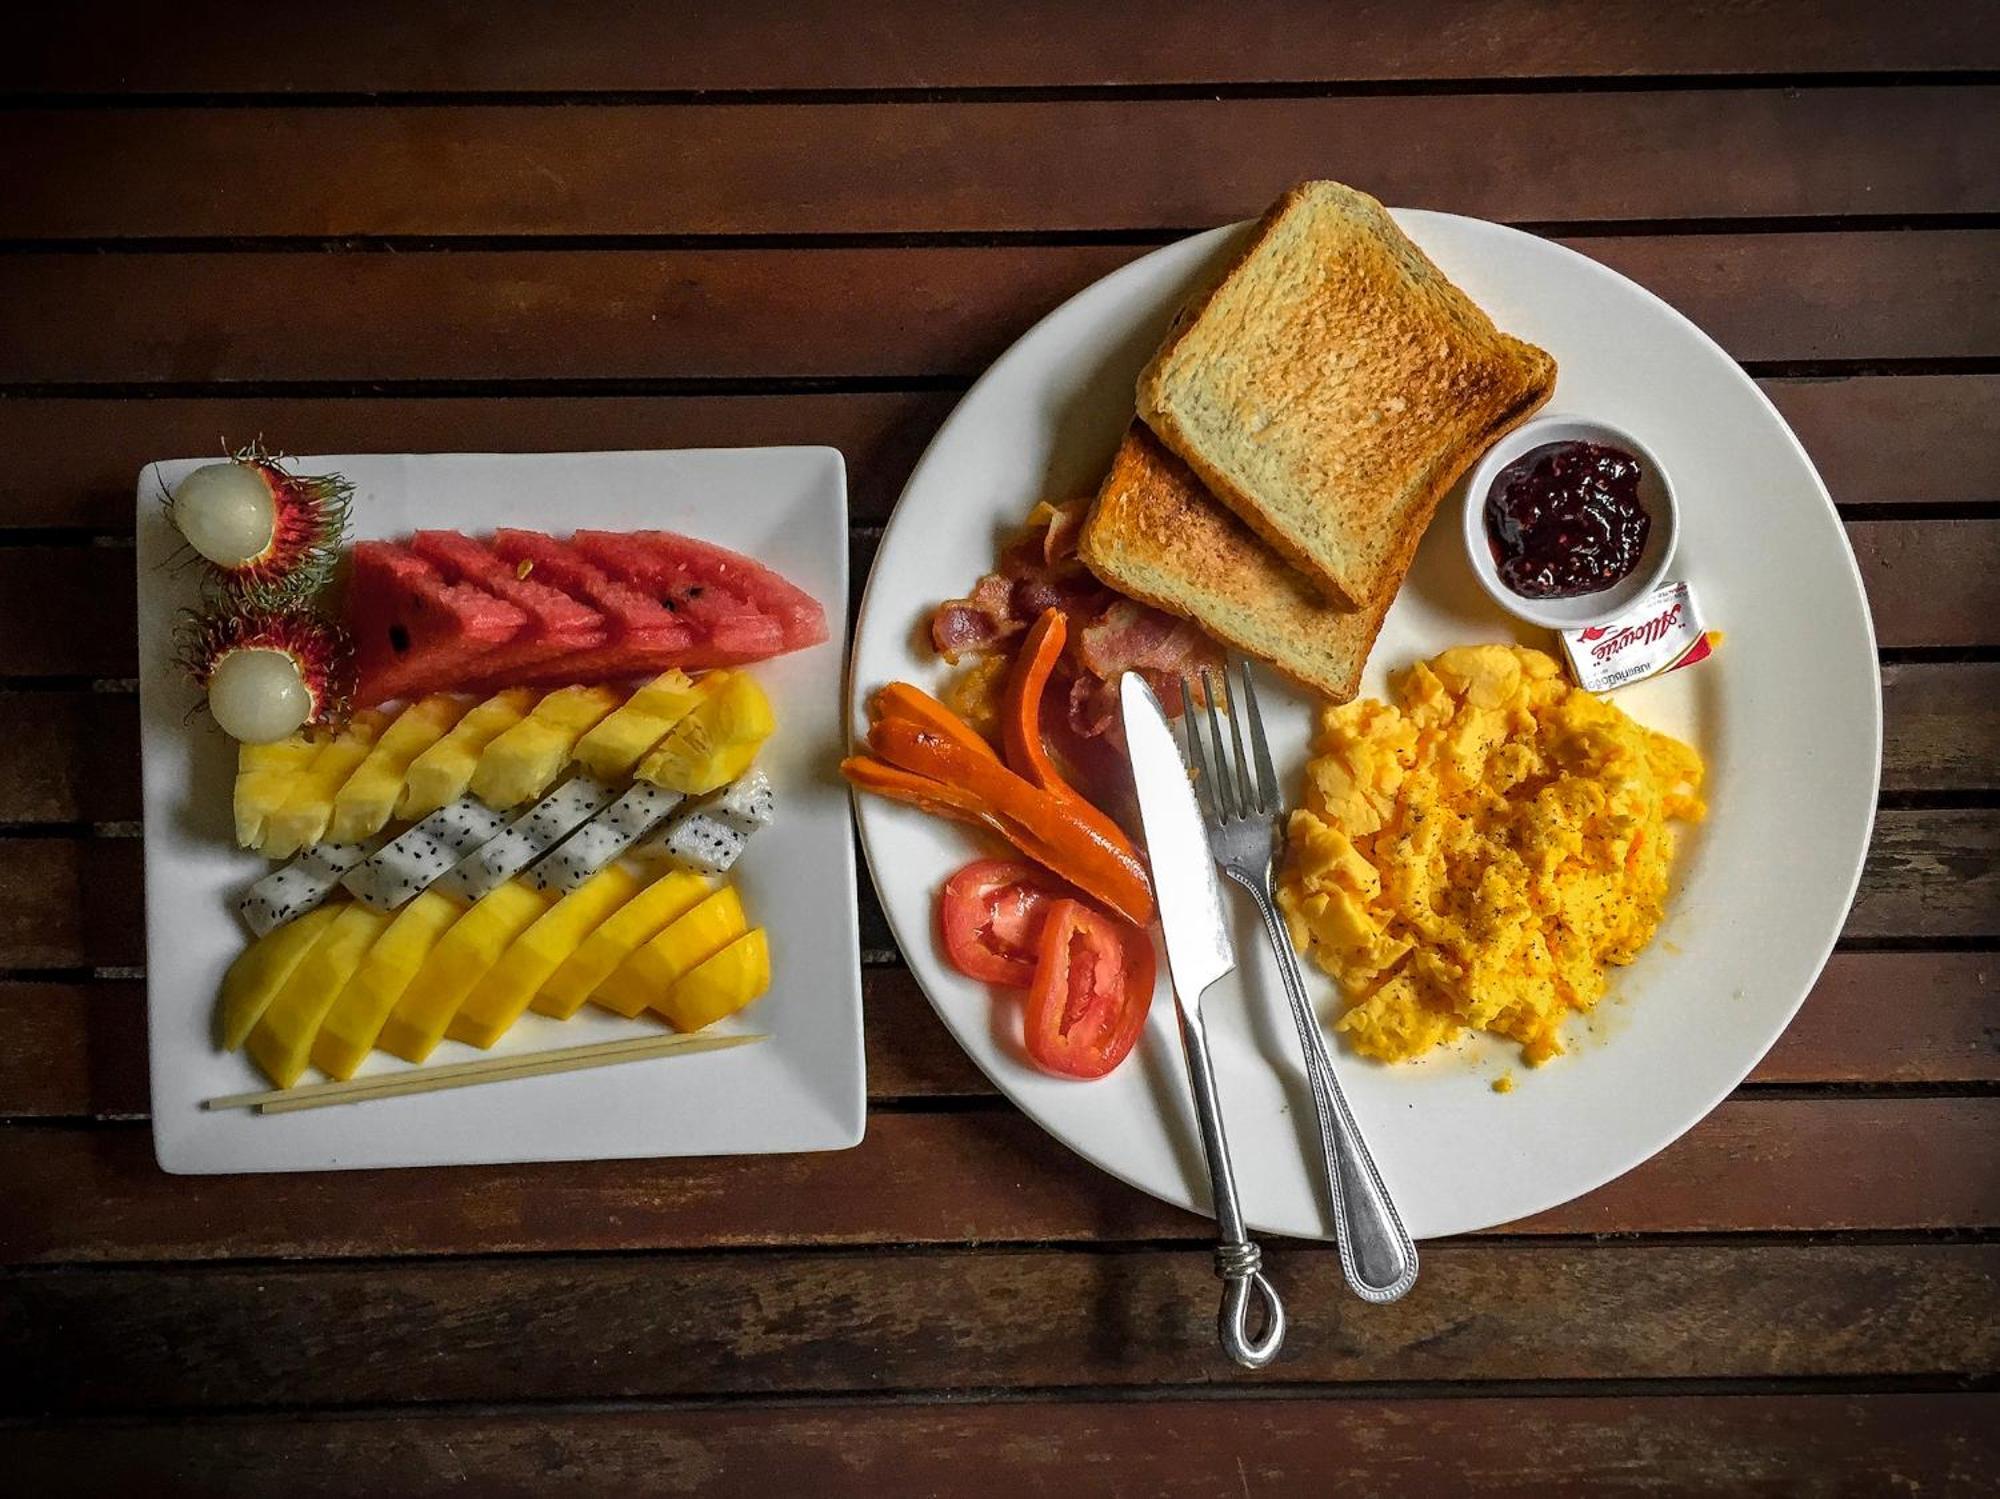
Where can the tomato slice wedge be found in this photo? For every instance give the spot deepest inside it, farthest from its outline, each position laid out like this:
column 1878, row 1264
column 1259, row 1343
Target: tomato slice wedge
column 1092, row 989
column 990, row 915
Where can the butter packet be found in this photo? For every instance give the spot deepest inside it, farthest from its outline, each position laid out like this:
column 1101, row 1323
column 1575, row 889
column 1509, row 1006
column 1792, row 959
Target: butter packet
column 1661, row 633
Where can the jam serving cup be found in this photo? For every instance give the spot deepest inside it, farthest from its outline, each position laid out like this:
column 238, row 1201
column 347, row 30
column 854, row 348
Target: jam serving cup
column 1656, row 493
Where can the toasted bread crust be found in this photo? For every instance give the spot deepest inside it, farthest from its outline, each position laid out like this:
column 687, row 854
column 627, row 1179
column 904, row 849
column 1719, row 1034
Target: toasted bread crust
column 1156, row 535
column 1333, row 385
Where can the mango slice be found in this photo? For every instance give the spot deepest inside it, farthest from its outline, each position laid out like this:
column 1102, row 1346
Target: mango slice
column 633, row 925
column 256, row 976
column 644, row 978
column 720, row 985
column 458, row 961
column 498, row 999
column 348, row 1033
column 282, row 1039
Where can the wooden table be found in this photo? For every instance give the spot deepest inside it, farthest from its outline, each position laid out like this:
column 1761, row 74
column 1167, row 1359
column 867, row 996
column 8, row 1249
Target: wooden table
column 508, row 226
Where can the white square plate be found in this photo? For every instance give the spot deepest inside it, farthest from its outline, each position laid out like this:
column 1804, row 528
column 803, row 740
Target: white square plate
column 801, row 1090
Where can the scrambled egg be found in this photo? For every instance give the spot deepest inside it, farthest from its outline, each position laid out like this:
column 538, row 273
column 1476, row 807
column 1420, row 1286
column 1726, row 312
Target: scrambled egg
column 1478, row 853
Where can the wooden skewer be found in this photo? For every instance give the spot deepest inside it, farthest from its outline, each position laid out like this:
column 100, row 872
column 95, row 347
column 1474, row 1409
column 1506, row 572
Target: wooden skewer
column 485, row 1070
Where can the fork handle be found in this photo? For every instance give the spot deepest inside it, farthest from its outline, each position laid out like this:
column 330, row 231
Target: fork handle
column 1376, row 1253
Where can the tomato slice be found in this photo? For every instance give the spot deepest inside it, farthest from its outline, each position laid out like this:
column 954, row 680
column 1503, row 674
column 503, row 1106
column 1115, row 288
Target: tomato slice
column 991, row 915
column 1092, row 989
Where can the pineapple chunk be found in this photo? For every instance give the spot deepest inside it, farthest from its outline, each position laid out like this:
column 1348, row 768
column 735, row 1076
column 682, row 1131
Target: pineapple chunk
column 265, row 775
column 635, row 923
column 497, row 1001
column 460, row 960
column 362, row 807
column 644, row 978
column 349, row 1030
column 717, row 740
column 255, row 978
column 441, row 773
column 519, row 765
column 301, row 821
column 610, row 750
column 283, row 1037
column 720, row 985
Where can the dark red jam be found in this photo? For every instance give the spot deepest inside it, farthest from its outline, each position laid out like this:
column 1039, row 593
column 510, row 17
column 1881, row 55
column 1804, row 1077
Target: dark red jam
column 1565, row 519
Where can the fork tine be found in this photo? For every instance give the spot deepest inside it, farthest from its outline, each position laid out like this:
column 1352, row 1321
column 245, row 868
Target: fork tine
column 1248, row 803
column 1196, row 756
column 1225, row 793
column 1267, row 776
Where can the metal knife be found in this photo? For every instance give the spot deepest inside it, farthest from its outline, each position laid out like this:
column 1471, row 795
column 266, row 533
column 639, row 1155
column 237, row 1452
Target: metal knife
column 1198, row 953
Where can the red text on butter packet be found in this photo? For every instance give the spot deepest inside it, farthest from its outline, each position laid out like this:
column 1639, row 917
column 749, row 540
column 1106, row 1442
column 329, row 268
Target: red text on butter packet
column 1660, row 633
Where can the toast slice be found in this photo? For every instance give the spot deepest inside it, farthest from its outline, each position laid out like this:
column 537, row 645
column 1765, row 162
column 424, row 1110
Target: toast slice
column 1155, row 534
column 1333, row 385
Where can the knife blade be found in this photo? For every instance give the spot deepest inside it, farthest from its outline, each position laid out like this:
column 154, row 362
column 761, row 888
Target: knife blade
column 1184, row 879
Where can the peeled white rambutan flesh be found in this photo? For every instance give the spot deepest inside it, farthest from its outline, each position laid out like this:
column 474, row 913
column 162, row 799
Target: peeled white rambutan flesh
column 227, row 513
column 259, row 696
column 267, row 674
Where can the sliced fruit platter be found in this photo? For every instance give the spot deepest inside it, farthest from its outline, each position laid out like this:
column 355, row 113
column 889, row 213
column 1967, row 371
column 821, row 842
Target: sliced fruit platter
column 491, row 785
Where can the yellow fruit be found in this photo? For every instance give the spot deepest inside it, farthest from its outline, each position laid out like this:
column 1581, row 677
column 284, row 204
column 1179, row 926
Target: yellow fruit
column 644, row 978
column 458, row 961
column 282, row 1039
column 637, row 922
column 717, row 740
column 519, row 765
column 610, row 750
column 362, row 807
column 498, row 999
column 441, row 773
column 720, row 985
column 265, row 775
column 351, row 1026
column 302, row 820
column 255, row 978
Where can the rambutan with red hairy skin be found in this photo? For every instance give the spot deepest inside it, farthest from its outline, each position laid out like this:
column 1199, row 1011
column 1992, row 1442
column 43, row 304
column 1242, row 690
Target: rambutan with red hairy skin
column 271, row 538
column 267, row 673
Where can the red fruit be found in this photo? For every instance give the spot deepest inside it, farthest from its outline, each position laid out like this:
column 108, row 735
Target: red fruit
column 733, row 628
column 270, row 537
column 309, row 687
column 414, row 632
column 645, row 638
column 797, row 612
column 559, row 628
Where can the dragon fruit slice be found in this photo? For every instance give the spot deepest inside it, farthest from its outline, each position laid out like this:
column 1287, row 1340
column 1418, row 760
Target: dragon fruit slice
column 420, row 856
column 745, row 804
column 288, row 893
column 703, row 843
column 605, row 837
column 531, row 835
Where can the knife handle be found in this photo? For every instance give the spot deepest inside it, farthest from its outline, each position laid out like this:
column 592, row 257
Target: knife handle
column 1238, row 1262
column 1376, row 1253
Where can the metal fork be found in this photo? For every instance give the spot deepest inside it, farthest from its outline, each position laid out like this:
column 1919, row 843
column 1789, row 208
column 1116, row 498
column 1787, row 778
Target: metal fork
column 1376, row 1254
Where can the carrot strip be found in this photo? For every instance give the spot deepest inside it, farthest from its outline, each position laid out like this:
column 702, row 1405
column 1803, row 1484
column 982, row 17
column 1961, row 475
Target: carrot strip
column 901, row 700
column 1105, row 868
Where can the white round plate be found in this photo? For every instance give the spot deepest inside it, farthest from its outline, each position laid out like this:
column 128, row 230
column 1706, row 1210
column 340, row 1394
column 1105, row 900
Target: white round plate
column 1787, row 715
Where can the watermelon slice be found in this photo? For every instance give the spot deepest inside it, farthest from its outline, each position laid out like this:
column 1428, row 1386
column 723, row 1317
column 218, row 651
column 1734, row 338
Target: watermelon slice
column 559, row 627
column 797, row 612
column 414, row 632
column 735, row 629
column 645, row 638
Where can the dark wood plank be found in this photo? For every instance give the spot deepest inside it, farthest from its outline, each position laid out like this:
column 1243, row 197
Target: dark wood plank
column 1797, row 1446
column 77, row 1048
column 779, row 1324
column 828, row 313
column 773, row 44
column 1931, row 583
column 69, row 757
column 53, row 480
column 1754, row 1165
column 1940, row 726
column 1921, row 439
column 68, row 902
column 885, row 168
